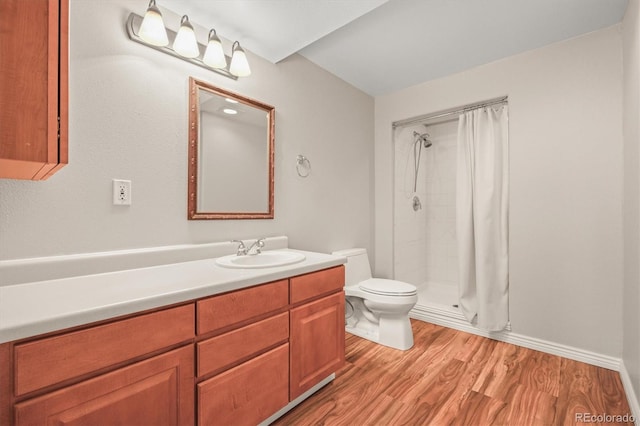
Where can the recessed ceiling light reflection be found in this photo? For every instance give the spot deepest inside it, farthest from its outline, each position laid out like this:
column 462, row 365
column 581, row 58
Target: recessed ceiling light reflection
column 231, row 101
column 230, row 111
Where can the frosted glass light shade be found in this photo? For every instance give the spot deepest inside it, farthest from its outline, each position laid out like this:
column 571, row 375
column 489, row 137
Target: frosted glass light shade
column 152, row 29
column 214, row 55
column 185, row 43
column 239, row 64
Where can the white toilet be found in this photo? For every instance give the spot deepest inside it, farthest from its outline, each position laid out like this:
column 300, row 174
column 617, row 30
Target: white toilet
column 376, row 309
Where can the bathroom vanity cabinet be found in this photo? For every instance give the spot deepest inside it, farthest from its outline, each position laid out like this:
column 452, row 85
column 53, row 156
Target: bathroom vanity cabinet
column 33, row 88
column 234, row 358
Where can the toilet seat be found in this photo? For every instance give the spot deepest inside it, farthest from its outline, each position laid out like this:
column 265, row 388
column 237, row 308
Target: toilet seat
column 386, row 287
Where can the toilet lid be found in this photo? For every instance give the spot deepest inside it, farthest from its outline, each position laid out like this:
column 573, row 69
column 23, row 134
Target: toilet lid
column 387, row 287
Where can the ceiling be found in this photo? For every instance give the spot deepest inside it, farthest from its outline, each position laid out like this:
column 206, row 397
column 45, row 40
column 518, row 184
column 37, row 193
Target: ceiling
column 381, row 46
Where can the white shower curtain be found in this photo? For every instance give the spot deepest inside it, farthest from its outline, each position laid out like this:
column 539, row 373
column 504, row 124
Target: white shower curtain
column 482, row 190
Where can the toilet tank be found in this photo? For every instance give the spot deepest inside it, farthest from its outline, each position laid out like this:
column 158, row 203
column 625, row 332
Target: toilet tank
column 357, row 268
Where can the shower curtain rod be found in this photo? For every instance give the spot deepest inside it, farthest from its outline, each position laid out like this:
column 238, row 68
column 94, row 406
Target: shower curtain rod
column 450, row 112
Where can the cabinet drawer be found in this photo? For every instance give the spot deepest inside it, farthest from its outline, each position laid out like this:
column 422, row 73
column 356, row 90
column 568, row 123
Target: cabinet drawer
column 246, row 394
column 54, row 359
column 156, row 391
column 308, row 286
column 222, row 351
column 235, row 307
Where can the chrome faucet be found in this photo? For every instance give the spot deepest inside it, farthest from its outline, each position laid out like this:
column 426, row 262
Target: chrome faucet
column 258, row 244
column 243, row 250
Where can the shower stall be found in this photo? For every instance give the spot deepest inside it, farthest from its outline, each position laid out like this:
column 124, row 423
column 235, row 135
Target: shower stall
column 425, row 245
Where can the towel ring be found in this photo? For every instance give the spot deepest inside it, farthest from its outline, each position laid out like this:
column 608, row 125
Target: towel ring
column 303, row 166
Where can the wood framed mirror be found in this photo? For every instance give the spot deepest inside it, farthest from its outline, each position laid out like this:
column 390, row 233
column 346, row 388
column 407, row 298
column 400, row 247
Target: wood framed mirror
column 231, row 155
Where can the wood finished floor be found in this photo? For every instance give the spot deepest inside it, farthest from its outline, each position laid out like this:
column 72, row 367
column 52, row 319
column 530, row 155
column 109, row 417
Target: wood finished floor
column 454, row 378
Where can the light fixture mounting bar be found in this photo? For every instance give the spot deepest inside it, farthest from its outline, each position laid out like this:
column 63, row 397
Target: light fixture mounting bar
column 133, row 28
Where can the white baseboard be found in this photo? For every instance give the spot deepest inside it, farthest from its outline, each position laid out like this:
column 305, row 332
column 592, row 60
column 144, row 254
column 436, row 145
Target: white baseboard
column 455, row 319
column 634, row 403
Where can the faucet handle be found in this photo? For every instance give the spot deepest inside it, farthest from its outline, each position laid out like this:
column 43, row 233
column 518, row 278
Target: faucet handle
column 259, row 244
column 240, row 242
column 242, row 249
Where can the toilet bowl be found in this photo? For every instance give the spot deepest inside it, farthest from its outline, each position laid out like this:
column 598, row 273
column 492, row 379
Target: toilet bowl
column 376, row 309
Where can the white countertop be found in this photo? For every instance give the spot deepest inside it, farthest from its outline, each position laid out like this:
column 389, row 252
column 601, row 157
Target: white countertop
column 34, row 308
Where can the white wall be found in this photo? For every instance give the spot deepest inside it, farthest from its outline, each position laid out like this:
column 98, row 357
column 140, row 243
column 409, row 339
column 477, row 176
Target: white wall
column 128, row 120
column 565, row 109
column 631, row 129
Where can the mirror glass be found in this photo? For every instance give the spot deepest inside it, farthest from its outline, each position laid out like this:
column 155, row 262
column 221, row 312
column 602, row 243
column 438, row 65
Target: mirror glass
column 231, row 140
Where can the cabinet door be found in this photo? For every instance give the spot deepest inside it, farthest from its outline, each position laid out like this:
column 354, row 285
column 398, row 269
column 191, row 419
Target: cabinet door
column 317, row 342
column 156, row 391
column 33, row 87
column 246, row 394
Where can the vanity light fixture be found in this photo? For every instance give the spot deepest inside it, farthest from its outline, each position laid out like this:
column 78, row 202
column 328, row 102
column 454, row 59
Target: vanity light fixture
column 214, row 55
column 152, row 29
column 239, row 64
column 183, row 44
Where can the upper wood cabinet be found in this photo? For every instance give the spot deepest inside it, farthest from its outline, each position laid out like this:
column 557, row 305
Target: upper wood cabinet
column 34, row 44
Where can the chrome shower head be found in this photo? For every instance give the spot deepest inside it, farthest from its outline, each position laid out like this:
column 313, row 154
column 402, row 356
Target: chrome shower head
column 423, row 138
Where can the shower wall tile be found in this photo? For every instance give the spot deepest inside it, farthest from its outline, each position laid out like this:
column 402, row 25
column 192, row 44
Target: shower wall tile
column 410, row 244
column 425, row 247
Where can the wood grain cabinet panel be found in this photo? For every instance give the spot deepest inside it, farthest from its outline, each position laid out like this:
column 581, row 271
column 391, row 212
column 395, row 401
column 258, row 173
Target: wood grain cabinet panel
column 156, row 391
column 317, row 342
column 230, row 359
column 51, row 360
column 308, row 286
column 246, row 394
column 239, row 306
column 33, row 88
column 238, row 345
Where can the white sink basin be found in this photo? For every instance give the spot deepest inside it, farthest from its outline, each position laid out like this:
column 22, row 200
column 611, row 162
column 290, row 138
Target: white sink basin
column 266, row 259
